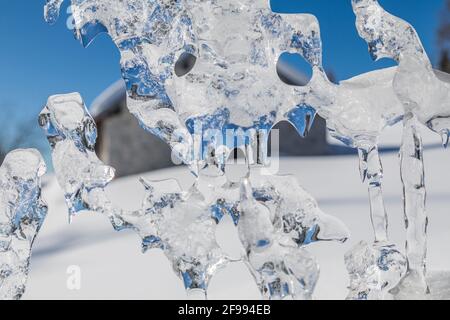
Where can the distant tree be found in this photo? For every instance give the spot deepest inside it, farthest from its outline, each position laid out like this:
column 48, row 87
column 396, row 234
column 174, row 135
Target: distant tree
column 17, row 131
column 444, row 38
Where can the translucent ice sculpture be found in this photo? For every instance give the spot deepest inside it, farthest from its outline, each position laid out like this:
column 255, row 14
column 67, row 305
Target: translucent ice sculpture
column 425, row 96
column 51, row 10
column 201, row 75
column 151, row 36
column 357, row 111
column 278, row 219
column 186, row 231
column 293, row 211
column 234, row 84
column 422, row 90
column 72, row 134
column 180, row 223
column 374, row 270
column 186, row 76
column 22, row 213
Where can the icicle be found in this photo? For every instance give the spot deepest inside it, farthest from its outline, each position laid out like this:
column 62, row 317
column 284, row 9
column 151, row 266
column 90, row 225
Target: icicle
column 373, row 173
column 414, row 284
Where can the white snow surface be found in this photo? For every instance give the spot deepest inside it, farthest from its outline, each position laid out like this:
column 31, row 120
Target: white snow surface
column 113, row 267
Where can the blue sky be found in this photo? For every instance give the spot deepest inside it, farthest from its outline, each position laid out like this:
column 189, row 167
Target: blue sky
column 37, row 60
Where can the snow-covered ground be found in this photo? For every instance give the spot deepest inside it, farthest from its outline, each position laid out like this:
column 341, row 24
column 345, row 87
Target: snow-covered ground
column 112, row 265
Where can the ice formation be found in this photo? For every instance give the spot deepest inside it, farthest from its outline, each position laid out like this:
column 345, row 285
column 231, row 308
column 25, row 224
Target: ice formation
column 374, row 270
column 22, row 213
column 205, row 87
column 425, row 97
column 183, row 223
column 185, row 230
column 201, row 75
column 357, row 110
column 234, row 85
column 422, row 91
column 202, row 68
column 151, row 36
column 412, row 169
column 175, row 221
column 278, row 219
column 72, row 134
column 51, row 10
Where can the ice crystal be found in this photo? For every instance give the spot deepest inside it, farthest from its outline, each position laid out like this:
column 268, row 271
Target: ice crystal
column 51, row 10
column 425, row 97
column 423, row 91
column 202, row 76
column 22, row 213
column 186, row 231
column 357, row 110
column 374, row 271
column 201, row 67
column 278, row 219
column 180, row 223
column 183, row 223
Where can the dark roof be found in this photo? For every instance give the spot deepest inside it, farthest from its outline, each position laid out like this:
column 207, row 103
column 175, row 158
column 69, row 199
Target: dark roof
column 443, row 76
column 109, row 101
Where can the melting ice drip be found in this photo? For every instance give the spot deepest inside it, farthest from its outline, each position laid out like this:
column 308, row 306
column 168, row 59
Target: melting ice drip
column 183, row 224
column 22, row 213
column 425, row 97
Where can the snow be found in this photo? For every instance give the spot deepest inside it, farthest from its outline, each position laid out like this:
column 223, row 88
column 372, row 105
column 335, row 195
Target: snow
column 112, row 266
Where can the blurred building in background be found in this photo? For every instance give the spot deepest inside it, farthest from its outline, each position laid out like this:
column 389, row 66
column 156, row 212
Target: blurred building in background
column 444, row 38
column 122, row 143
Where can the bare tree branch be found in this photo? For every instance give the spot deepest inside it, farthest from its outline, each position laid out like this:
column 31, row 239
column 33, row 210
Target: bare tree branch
column 18, row 129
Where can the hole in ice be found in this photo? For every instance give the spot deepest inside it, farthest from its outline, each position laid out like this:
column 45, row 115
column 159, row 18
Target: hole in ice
column 185, row 64
column 293, row 69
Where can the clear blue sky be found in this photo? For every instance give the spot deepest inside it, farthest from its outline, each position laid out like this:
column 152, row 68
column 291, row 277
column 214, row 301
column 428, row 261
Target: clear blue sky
column 37, row 60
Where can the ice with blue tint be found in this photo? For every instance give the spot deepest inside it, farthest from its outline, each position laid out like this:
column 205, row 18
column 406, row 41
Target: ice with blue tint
column 239, row 44
column 180, row 223
column 72, row 134
column 374, row 271
column 151, row 36
column 22, row 213
column 422, row 90
column 202, row 75
column 357, row 111
column 51, row 10
column 229, row 50
column 183, row 223
column 425, row 97
column 186, row 231
column 278, row 219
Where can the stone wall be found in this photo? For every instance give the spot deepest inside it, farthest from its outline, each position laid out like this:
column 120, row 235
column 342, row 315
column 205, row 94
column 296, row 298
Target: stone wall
column 127, row 147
